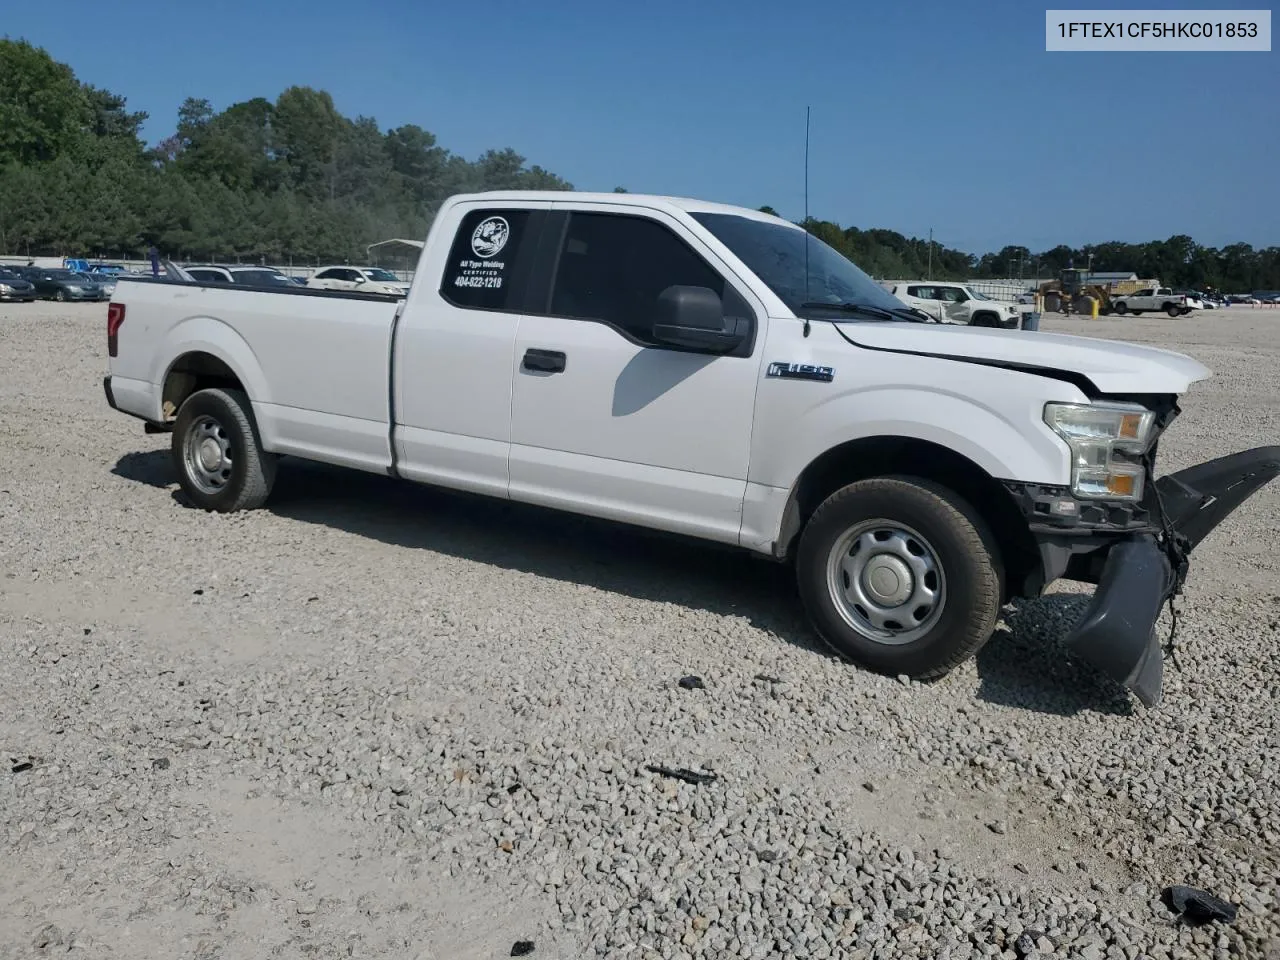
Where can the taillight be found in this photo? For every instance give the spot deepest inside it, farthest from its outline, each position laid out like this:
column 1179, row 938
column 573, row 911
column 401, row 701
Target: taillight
column 115, row 317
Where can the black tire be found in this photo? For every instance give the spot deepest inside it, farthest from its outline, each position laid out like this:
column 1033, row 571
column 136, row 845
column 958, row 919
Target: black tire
column 985, row 320
column 1122, row 308
column 59, row 295
column 955, row 536
column 244, row 474
column 1172, row 310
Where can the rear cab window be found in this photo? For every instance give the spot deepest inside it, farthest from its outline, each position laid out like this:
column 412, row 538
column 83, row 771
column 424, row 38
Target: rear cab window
column 480, row 272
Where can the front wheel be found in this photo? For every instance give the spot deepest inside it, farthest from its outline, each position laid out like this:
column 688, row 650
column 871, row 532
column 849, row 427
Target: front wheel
column 218, row 453
column 900, row 575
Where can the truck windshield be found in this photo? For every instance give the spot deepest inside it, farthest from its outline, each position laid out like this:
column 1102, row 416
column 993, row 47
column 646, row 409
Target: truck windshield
column 776, row 254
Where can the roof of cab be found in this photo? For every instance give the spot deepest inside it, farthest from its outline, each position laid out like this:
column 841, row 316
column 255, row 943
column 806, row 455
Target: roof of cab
column 651, row 201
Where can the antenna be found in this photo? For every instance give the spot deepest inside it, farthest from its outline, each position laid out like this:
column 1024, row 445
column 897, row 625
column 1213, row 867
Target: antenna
column 806, row 214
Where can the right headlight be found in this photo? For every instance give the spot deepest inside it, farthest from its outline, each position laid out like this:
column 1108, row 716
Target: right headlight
column 1108, row 442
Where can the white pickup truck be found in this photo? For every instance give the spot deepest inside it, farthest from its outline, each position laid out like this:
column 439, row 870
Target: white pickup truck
column 712, row 371
column 1154, row 299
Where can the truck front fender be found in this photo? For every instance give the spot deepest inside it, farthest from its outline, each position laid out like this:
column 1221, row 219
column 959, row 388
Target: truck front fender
column 218, row 339
column 953, row 439
column 1008, row 441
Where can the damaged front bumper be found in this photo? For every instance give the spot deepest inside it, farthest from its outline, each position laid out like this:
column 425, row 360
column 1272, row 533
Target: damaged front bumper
column 1137, row 573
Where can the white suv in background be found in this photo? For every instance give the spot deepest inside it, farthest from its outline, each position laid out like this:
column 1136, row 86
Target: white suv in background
column 955, row 303
column 365, row 279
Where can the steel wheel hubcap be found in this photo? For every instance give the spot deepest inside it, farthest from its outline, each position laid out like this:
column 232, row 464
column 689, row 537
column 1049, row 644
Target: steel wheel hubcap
column 208, row 454
column 886, row 581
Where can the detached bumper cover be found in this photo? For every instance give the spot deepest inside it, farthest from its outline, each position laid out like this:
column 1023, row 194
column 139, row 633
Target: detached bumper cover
column 1117, row 632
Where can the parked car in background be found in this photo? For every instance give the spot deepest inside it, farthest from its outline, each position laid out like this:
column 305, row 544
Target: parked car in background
column 364, row 279
column 247, row 276
column 57, row 283
column 105, row 280
column 956, row 303
column 14, row 287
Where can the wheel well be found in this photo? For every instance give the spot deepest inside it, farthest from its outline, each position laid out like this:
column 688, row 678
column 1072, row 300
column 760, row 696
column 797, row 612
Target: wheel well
column 192, row 372
column 881, row 456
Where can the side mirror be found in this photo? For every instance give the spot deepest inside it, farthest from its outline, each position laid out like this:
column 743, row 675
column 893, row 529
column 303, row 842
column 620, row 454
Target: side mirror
column 694, row 317
column 359, row 278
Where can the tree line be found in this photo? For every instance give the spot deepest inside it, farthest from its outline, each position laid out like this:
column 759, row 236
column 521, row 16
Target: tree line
column 292, row 178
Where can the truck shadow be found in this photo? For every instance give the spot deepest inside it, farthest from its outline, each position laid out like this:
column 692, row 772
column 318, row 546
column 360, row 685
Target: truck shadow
column 1023, row 665
column 1026, row 665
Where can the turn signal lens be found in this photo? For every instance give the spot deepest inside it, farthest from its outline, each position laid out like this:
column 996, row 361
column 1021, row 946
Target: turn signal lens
column 1131, row 426
column 1122, row 485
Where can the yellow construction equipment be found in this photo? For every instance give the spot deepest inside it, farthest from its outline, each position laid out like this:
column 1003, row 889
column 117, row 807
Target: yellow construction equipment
column 1071, row 294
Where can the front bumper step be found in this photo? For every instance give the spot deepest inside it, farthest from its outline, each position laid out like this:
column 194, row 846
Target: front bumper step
column 1117, row 632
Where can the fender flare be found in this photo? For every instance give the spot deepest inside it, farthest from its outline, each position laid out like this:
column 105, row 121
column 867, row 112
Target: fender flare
column 203, row 334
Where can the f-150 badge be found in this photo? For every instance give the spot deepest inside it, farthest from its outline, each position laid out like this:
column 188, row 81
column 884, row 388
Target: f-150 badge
column 800, row 371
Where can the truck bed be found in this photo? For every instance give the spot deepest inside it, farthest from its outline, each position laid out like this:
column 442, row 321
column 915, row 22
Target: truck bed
column 316, row 362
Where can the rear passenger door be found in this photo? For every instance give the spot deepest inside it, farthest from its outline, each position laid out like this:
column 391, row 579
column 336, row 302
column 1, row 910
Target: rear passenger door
column 337, row 278
column 605, row 419
column 454, row 348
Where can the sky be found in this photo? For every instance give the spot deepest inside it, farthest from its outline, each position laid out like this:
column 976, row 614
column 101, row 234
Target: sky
column 938, row 114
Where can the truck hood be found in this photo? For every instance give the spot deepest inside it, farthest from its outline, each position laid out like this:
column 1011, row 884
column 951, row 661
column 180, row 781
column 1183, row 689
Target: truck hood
column 1112, row 366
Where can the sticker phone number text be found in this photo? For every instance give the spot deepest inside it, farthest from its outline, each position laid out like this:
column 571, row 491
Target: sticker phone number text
column 492, row 282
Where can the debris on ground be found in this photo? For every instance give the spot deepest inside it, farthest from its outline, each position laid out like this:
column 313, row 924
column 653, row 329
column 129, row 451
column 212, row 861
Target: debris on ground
column 682, row 773
column 1198, row 906
column 692, row 683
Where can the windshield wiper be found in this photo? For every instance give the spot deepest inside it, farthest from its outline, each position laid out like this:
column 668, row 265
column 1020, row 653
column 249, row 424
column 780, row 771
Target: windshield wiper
column 870, row 310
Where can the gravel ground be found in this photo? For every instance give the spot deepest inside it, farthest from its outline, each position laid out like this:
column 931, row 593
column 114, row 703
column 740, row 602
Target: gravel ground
column 377, row 720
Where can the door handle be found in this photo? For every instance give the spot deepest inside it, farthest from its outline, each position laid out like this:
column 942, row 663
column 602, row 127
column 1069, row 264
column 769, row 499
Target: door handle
column 550, row 361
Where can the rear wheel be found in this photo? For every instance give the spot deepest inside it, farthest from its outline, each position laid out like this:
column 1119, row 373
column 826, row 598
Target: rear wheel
column 1172, row 309
column 900, row 575
column 218, row 453
column 60, row 295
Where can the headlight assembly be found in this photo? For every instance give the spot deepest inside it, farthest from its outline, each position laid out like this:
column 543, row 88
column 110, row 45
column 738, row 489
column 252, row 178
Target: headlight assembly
column 1108, row 442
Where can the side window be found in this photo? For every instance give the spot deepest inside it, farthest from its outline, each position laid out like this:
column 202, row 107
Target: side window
column 922, row 293
column 953, row 295
column 481, row 261
column 613, row 268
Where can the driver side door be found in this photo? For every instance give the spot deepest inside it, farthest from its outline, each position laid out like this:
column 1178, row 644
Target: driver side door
column 606, row 420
